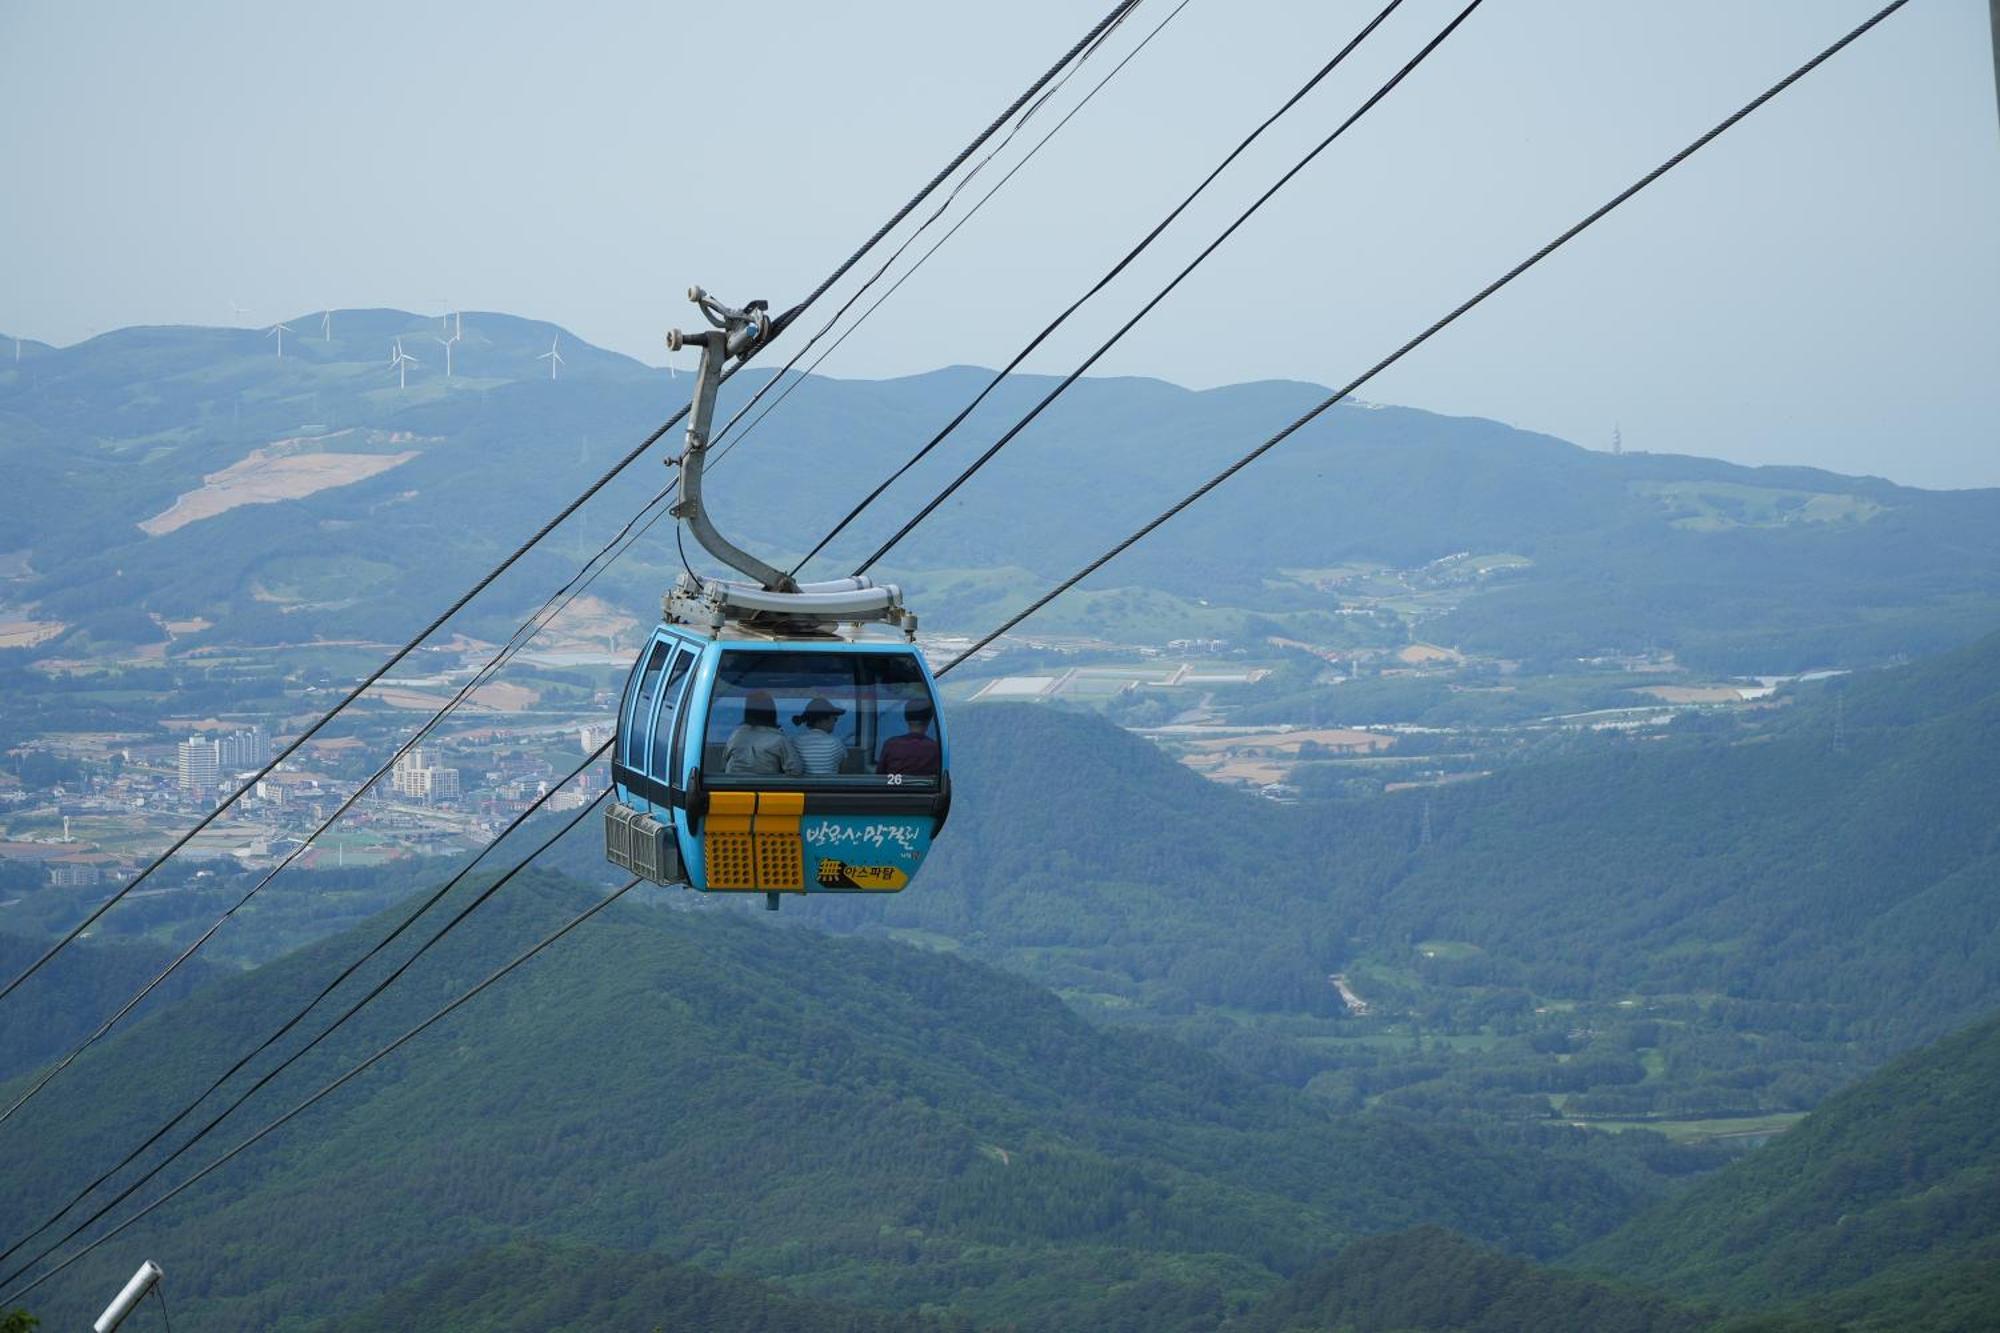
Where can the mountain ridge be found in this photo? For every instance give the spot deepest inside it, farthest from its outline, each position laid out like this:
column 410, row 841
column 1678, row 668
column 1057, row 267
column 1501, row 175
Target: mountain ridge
column 1765, row 568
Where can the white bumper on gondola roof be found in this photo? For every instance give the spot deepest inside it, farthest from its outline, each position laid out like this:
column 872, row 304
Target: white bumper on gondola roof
column 712, row 603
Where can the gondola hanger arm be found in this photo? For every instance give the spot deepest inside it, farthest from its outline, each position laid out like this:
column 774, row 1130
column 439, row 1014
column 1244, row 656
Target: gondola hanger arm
column 733, row 334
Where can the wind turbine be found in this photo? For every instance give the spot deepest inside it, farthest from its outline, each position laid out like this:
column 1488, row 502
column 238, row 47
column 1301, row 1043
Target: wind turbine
column 279, row 330
column 326, row 326
column 401, row 363
column 552, row 356
column 446, row 344
column 237, row 312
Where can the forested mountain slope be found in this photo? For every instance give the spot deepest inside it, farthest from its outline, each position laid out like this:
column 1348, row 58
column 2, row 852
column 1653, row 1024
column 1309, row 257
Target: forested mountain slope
column 1749, row 568
column 1430, row 1281
column 1855, row 879
column 537, row 1288
column 875, row 1123
column 79, row 987
column 1882, row 1208
column 1842, row 863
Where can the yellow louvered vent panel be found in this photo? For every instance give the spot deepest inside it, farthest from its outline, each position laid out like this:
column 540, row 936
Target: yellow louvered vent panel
column 779, row 865
column 729, row 851
column 731, row 864
column 780, row 859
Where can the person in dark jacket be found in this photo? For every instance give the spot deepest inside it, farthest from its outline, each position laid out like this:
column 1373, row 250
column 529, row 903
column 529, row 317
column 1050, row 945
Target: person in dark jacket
column 916, row 751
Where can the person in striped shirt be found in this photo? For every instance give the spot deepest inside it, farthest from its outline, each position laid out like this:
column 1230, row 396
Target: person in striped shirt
column 817, row 745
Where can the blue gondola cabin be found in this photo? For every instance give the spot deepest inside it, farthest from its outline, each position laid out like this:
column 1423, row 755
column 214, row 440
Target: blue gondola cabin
column 801, row 764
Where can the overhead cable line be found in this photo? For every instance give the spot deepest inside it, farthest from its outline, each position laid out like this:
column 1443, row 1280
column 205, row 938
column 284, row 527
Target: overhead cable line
column 1355, row 385
column 923, row 259
column 292, row 1022
column 342, row 1081
column 605, row 557
column 553, row 607
column 480, row 898
column 1111, row 274
column 1077, row 55
column 972, row 468
column 1089, row 39
column 1104, row 25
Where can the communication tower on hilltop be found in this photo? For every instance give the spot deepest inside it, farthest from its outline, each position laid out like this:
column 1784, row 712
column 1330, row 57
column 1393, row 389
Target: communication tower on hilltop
column 1617, row 441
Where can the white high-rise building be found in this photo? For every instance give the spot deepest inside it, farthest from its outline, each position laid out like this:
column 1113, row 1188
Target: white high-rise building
column 406, row 777
column 200, row 765
column 244, row 749
column 415, row 776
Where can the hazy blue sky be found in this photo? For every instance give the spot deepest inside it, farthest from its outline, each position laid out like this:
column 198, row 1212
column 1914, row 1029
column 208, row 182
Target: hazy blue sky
column 1822, row 286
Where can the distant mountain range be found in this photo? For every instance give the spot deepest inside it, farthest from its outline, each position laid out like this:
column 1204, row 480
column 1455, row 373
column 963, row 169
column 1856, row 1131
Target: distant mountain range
column 127, row 455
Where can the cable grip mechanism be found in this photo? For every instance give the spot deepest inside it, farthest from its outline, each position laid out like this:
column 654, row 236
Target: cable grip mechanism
column 732, row 334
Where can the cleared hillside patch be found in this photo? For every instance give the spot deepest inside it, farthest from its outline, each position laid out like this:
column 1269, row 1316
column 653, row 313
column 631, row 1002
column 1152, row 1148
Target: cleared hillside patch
column 267, row 476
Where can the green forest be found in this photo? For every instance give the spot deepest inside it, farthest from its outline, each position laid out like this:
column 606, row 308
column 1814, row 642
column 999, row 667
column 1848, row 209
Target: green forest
column 1686, row 1027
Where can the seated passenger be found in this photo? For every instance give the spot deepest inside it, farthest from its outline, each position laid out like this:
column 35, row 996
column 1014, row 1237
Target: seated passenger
column 816, row 744
column 758, row 748
column 915, row 751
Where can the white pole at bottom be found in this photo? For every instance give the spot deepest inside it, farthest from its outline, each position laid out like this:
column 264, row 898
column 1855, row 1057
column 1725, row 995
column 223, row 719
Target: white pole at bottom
column 127, row 1300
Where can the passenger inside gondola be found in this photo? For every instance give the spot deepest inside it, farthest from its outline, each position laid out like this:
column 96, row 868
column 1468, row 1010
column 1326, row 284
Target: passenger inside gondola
column 822, row 751
column 757, row 748
column 849, row 714
column 916, row 750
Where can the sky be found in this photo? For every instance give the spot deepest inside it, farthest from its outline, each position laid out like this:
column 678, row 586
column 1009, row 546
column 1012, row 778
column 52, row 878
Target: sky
column 1821, row 286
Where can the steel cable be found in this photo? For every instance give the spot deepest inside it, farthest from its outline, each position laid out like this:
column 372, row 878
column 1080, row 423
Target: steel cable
column 343, row 1080
column 1109, row 276
column 324, row 1033
column 627, row 535
column 1084, row 50
column 923, row 259
column 1118, row 11
column 549, row 611
column 1355, row 385
column 971, row 469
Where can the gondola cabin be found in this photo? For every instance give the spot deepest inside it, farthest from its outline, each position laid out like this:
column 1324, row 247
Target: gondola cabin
column 797, row 764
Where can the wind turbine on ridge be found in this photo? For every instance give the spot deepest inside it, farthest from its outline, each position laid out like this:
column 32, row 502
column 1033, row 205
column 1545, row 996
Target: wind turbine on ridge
column 280, row 330
column 326, row 326
column 552, row 356
column 446, row 344
column 401, row 363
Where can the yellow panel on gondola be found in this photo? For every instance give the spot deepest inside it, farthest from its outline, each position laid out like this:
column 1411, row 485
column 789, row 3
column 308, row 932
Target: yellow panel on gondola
column 780, row 860
column 731, row 861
